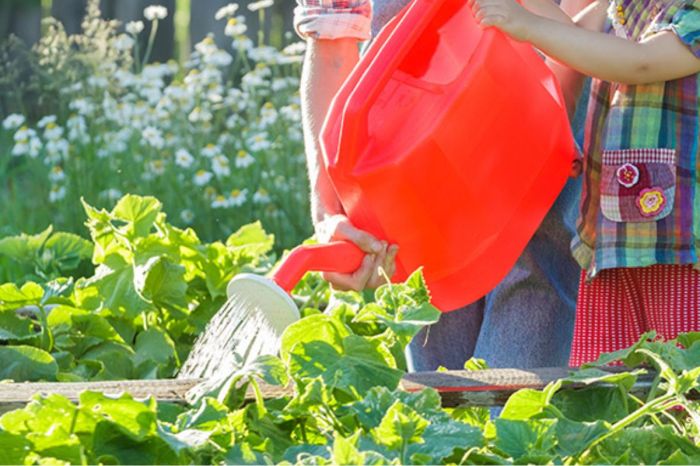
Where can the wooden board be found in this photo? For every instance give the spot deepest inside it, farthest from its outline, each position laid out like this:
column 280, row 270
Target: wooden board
column 458, row 388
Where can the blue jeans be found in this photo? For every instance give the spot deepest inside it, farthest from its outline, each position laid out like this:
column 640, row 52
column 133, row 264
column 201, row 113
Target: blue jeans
column 527, row 320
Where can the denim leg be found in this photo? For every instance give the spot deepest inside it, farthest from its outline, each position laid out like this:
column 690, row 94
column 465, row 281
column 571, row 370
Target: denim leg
column 529, row 317
column 449, row 342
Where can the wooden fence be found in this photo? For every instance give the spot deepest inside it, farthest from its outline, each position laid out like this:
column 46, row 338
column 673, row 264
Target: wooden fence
column 457, row 388
column 23, row 18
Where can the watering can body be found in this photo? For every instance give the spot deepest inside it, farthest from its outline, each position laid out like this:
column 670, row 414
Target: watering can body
column 451, row 141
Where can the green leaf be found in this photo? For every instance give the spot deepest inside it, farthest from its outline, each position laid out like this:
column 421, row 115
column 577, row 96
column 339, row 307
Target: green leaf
column 400, row 427
column 117, row 358
column 162, row 282
column 14, row 327
column 115, row 282
column 525, row 404
column 251, row 241
column 136, row 419
column 593, row 403
column 646, row 445
column 69, row 250
column 111, row 441
column 576, row 437
column 14, row 448
column 242, row 453
column 139, row 212
column 205, row 416
column 526, row 438
column 345, row 451
column 23, row 248
column 26, row 364
column 12, row 297
column 155, row 345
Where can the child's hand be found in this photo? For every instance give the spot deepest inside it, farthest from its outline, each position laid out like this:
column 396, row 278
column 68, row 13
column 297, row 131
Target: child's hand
column 506, row 15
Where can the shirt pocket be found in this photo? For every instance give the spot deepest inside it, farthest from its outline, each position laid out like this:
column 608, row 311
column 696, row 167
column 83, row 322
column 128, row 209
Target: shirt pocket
column 638, row 185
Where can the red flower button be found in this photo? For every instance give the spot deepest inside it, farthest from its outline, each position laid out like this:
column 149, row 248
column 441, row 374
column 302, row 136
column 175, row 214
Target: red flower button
column 628, row 175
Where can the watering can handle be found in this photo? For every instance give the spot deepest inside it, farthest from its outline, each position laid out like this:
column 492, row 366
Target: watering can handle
column 338, row 256
column 395, row 49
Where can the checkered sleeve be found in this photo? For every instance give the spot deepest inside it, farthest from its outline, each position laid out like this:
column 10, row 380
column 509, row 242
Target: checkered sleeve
column 333, row 19
column 686, row 24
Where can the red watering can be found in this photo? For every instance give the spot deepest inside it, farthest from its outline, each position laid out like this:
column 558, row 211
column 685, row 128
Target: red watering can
column 451, row 141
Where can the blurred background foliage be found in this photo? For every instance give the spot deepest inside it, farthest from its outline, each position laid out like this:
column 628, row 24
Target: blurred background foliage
column 194, row 102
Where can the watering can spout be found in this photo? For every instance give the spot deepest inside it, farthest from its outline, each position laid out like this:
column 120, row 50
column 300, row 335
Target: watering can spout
column 339, row 256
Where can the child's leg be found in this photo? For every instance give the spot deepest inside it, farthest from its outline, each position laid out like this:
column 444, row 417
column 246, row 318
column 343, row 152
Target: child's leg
column 609, row 315
column 671, row 296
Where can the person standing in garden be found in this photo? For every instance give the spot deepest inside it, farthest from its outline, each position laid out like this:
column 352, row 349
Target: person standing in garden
column 637, row 234
column 527, row 320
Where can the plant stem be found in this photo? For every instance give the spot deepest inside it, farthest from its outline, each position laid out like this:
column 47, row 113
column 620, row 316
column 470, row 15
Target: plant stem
column 151, row 40
column 651, row 407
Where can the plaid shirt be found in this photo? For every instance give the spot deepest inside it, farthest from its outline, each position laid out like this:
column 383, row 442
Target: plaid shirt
column 333, row 19
column 641, row 203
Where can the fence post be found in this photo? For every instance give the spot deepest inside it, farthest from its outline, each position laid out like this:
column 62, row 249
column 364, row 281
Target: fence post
column 70, row 13
column 22, row 19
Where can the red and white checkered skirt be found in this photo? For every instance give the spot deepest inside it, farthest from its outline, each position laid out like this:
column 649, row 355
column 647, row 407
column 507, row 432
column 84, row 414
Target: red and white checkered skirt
column 619, row 305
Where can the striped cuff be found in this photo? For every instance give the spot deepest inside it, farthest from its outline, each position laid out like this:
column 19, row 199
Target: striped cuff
column 333, row 19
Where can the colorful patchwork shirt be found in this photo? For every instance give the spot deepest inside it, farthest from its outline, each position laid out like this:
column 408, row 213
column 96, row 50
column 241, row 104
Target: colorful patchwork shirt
column 641, row 200
column 333, row 19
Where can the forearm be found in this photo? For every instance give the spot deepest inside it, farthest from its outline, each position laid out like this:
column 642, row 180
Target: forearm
column 608, row 57
column 326, row 65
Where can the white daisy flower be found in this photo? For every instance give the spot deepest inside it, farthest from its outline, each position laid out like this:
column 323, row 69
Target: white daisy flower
column 242, row 42
column 111, row 194
column 261, row 196
column 157, row 167
column 183, row 158
column 134, row 27
column 57, row 149
column 206, row 46
column 153, row 137
column 202, row 177
column 187, row 216
column 56, row 174
column 198, row 114
column 46, row 120
column 123, row 43
column 291, row 112
column 21, row 148
column 238, row 197
column 13, row 121
column 225, row 11
column 297, row 48
column 24, row 133
column 82, row 106
column 244, row 159
column 235, row 27
column 268, row 115
column 53, row 131
column 259, row 142
column 35, row 147
column 155, row 12
column 220, row 202
column 211, row 150
column 259, row 5
column 77, row 129
column 99, row 82
column 220, row 166
column 57, row 193
column 219, row 58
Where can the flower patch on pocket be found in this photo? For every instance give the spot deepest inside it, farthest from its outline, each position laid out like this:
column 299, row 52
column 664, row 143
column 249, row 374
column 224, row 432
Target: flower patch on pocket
column 638, row 185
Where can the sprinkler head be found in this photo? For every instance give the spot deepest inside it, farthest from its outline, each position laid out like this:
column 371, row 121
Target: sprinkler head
column 272, row 302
